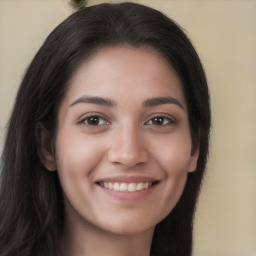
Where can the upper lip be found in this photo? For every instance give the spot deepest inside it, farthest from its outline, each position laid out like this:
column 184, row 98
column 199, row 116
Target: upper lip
column 126, row 178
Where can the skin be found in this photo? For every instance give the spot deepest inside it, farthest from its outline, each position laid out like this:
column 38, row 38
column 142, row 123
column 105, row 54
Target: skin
column 131, row 137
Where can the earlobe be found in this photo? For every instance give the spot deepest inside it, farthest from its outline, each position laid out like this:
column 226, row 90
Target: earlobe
column 193, row 159
column 45, row 149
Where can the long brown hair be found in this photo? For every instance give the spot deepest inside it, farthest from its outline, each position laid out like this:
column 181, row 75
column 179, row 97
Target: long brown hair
column 31, row 203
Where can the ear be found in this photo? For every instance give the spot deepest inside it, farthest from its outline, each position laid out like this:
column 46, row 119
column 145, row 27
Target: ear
column 45, row 147
column 194, row 157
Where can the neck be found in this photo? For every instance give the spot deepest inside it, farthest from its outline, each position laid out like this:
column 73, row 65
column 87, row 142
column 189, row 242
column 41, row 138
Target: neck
column 89, row 240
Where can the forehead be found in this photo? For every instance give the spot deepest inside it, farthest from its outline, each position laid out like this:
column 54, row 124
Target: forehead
column 125, row 72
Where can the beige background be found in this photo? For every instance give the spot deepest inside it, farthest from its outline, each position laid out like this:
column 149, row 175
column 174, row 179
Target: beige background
column 224, row 33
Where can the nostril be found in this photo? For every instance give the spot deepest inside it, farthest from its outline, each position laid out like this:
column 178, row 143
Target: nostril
column 128, row 147
column 129, row 158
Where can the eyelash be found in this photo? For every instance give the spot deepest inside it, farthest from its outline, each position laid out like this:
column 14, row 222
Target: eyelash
column 166, row 121
column 86, row 119
column 102, row 121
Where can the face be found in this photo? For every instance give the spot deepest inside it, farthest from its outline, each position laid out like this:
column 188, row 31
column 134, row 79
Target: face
column 123, row 144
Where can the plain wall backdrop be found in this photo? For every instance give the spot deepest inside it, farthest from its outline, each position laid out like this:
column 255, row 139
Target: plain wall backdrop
column 224, row 34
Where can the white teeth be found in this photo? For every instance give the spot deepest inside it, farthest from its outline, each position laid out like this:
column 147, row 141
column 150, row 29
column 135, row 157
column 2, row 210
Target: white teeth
column 140, row 186
column 145, row 185
column 130, row 187
column 116, row 186
column 110, row 185
column 123, row 187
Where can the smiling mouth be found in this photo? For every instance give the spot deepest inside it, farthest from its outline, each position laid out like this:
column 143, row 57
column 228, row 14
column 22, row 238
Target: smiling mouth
column 127, row 187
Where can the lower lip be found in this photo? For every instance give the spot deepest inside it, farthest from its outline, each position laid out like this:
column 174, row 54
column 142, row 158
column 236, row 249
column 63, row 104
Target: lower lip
column 128, row 196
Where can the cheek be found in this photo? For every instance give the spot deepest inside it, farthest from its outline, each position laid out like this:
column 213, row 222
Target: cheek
column 173, row 153
column 175, row 163
column 76, row 153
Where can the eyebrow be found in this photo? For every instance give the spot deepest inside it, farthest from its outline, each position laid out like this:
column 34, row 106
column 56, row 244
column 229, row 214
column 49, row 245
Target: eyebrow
column 162, row 100
column 156, row 101
column 94, row 100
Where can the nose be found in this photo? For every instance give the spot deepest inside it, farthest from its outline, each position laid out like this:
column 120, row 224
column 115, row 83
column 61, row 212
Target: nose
column 127, row 147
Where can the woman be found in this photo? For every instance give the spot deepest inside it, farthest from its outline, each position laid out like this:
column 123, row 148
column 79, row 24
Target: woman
column 108, row 139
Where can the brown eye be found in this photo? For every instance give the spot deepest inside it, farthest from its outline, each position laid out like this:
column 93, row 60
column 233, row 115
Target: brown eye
column 94, row 120
column 160, row 121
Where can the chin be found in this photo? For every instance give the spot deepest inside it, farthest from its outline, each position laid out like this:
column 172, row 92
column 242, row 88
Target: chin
column 130, row 230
